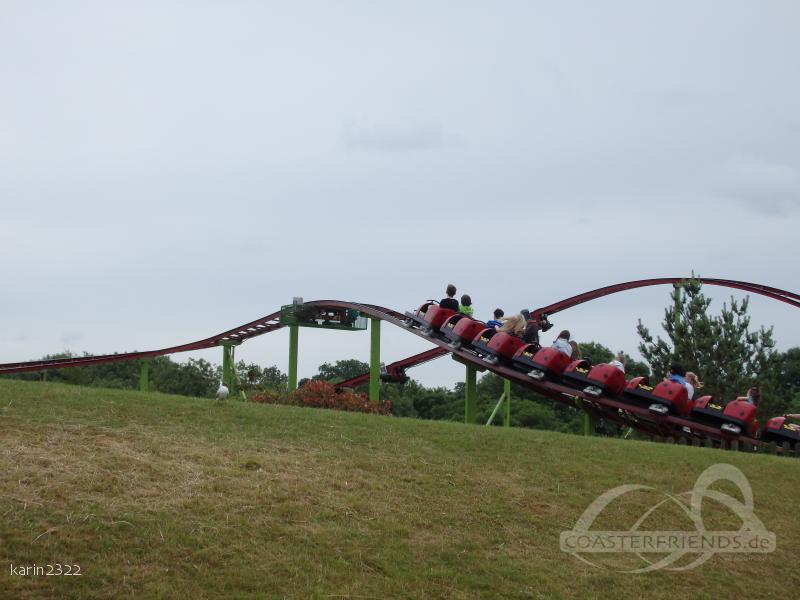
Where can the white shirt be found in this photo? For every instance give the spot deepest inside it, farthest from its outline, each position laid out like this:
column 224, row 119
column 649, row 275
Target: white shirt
column 689, row 389
column 618, row 364
column 563, row 346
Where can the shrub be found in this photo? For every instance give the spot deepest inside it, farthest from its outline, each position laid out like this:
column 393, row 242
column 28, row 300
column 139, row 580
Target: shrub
column 268, row 397
column 321, row 394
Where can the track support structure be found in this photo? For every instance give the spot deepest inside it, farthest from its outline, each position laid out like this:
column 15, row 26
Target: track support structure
column 375, row 360
column 228, row 366
column 589, row 422
column 293, row 345
column 507, row 410
column 471, row 395
column 504, row 403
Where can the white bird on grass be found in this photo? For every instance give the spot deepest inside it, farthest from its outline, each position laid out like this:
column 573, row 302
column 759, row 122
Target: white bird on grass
column 222, row 392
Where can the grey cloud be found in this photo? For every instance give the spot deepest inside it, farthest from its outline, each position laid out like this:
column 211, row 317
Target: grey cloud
column 69, row 337
column 393, row 139
column 256, row 246
column 765, row 188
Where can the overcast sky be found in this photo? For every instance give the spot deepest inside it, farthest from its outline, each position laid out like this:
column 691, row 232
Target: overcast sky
column 169, row 170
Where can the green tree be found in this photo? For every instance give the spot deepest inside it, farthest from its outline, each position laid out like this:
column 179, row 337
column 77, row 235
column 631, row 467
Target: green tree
column 341, row 370
column 254, row 377
column 196, row 377
column 721, row 349
column 780, row 391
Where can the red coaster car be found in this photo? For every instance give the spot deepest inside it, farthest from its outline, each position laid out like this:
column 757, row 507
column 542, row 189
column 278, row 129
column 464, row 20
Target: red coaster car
column 547, row 362
column 436, row 316
column 605, row 380
column 429, row 317
column 494, row 345
column 735, row 418
column 461, row 330
column 668, row 397
column 780, row 430
column 577, row 374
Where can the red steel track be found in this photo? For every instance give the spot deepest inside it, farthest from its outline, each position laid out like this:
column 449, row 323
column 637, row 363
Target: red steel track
column 603, row 407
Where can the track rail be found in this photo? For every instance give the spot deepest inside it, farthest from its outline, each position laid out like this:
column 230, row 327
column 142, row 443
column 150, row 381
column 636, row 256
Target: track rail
column 396, row 368
column 770, row 292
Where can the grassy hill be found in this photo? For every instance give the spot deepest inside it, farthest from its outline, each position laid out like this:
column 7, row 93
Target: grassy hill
column 165, row 496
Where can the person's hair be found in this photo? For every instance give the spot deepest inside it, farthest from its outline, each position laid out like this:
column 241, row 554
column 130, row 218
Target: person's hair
column 514, row 324
column 466, row 300
column 498, row 312
column 694, row 380
column 564, row 334
column 576, row 350
column 677, row 369
column 451, row 290
column 620, row 357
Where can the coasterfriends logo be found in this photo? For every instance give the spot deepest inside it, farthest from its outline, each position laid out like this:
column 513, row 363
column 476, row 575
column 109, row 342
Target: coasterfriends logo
column 698, row 545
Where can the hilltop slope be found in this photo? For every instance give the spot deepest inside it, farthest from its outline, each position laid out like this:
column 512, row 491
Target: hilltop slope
column 156, row 495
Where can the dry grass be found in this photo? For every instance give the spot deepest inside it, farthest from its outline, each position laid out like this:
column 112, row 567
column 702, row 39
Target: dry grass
column 160, row 496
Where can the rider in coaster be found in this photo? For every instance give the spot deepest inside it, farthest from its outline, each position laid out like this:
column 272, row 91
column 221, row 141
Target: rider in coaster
column 515, row 325
column 531, row 333
column 496, row 323
column 678, row 374
column 619, row 362
column 450, row 302
column 562, row 343
column 466, row 305
column 754, row 396
column 692, row 383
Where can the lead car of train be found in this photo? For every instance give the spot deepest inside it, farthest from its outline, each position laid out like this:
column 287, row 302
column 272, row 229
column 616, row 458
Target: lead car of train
column 737, row 417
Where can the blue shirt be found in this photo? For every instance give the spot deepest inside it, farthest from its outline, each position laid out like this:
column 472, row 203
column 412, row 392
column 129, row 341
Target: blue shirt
column 678, row 379
column 493, row 323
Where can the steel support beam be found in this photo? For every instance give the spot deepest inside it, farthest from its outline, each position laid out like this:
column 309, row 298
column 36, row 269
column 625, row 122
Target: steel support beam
column 507, row 411
column 375, row 360
column 293, row 341
column 227, row 366
column 588, row 423
column 471, row 395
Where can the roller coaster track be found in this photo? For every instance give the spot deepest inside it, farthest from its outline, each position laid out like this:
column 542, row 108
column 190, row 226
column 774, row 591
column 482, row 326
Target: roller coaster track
column 400, row 366
column 607, row 408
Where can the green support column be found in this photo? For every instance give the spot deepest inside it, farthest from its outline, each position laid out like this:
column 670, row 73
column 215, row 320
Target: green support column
column 471, row 395
column 375, row 361
column 144, row 376
column 507, row 411
column 293, row 340
column 588, row 424
column 227, row 365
